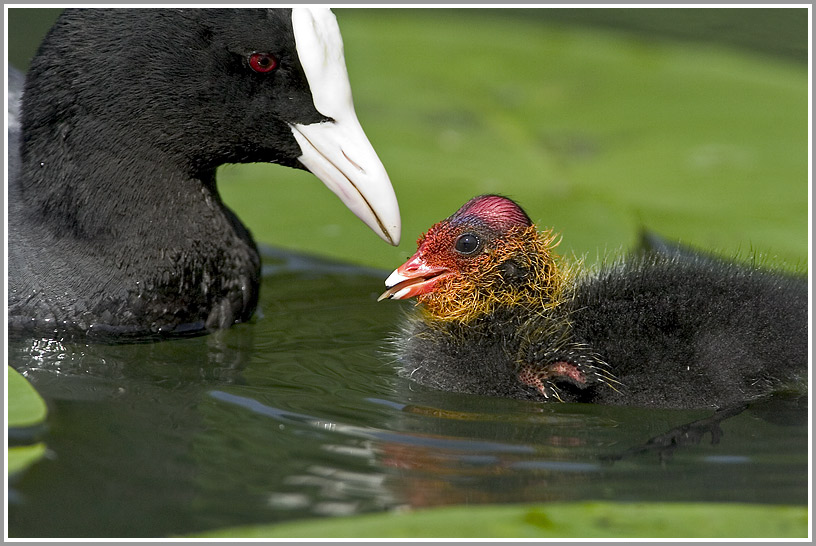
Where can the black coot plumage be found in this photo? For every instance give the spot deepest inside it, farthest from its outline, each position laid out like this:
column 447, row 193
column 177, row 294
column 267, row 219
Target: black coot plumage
column 502, row 315
column 116, row 227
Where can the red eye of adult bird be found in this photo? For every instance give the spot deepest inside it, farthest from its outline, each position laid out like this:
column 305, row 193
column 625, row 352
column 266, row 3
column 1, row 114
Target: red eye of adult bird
column 263, row 62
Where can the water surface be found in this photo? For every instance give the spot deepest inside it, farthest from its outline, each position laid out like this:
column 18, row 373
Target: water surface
column 300, row 414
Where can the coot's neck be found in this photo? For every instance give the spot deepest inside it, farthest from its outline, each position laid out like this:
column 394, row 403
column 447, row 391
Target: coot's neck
column 91, row 180
column 149, row 239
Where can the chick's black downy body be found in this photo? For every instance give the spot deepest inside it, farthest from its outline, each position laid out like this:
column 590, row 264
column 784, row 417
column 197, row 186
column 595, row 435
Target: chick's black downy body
column 652, row 330
column 694, row 333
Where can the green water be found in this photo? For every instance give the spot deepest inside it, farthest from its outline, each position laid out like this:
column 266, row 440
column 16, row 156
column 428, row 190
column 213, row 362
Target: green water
column 301, row 414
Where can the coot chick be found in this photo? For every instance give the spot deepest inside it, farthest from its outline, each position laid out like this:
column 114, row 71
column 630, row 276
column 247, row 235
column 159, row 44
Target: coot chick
column 116, row 227
column 501, row 314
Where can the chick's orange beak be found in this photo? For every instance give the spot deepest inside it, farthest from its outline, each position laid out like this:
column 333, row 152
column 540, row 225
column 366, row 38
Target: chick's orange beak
column 412, row 278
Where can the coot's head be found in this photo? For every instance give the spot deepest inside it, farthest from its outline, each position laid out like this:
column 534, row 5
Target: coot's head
column 197, row 88
column 486, row 256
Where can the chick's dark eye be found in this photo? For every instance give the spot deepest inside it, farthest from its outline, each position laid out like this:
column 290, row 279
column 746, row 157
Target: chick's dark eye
column 467, row 243
column 263, row 62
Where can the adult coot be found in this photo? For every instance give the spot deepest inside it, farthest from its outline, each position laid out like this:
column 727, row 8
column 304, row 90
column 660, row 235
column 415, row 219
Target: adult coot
column 502, row 315
column 116, row 227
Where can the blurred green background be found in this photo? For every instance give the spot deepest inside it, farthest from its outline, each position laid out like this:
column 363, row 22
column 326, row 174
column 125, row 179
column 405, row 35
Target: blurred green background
column 692, row 123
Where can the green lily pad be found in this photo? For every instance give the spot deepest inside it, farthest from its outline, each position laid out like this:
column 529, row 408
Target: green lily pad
column 584, row 520
column 25, row 408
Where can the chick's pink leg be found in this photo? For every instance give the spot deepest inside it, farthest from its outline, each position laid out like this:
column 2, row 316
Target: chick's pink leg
column 532, row 376
column 538, row 377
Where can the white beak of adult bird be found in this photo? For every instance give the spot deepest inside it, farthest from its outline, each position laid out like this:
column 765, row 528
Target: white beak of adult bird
column 337, row 150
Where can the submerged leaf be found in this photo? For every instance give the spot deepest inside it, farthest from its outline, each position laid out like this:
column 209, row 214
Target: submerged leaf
column 20, row 457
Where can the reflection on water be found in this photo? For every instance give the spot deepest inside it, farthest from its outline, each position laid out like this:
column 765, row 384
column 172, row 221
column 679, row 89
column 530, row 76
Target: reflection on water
column 300, row 414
